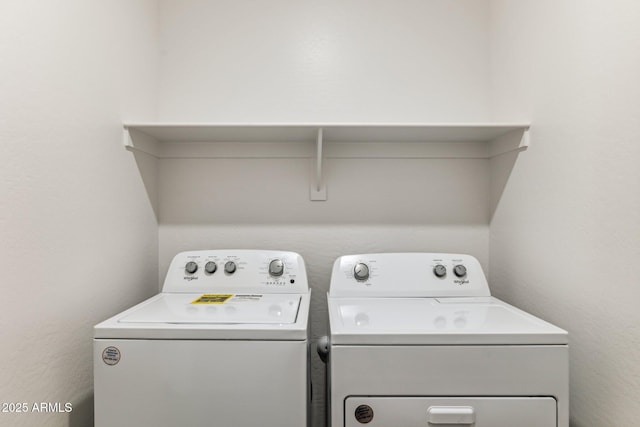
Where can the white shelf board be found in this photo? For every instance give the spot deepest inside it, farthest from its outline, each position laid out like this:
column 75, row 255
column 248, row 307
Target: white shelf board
column 394, row 140
column 318, row 141
column 201, row 132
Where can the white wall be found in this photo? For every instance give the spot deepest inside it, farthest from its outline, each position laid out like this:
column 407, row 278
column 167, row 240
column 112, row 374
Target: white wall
column 565, row 239
column 79, row 237
column 331, row 61
column 562, row 243
column 360, row 60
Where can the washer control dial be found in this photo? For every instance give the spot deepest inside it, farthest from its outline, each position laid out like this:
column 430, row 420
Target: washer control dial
column 210, row 267
column 361, row 271
column 276, row 268
column 191, row 267
column 460, row 270
column 440, row 270
column 230, row 267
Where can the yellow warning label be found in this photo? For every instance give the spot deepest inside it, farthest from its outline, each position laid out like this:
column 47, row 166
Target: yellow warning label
column 212, row 299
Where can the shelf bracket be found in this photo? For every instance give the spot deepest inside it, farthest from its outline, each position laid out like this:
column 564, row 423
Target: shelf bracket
column 136, row 141
column 517, row 140
column 317, row 187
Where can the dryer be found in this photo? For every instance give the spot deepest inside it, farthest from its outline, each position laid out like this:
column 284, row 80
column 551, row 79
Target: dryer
column 225, row 343
column 416, row 339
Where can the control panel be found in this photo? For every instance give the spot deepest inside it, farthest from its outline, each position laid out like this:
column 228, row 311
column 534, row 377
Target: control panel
column 409, row 275
column 246, row 271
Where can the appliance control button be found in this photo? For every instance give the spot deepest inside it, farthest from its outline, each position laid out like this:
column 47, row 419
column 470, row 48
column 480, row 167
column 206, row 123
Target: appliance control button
column 230, row 267
column 210, row 267
column 276, row 267
column 361, row 271
column 460, row 270
column 191, row 267
column 440, row 270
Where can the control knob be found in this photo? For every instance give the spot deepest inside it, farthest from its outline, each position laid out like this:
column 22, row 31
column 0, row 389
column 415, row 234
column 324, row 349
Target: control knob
column 460, row 270
column 210, row 267
column 230, row 267
column 440, row 270
column 191, row 267
column 276, row 268
column 361, row 271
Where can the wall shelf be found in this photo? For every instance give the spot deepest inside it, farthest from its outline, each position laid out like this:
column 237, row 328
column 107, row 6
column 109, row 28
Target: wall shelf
column 318, row 141
column 463, row 140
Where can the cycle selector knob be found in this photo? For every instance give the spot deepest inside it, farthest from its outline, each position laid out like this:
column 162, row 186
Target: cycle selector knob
column 276, row 268
column 440, row 270
column 210, row 267
column 460, row 270
column 361, row 271
column 230, row 267
column 191, row 267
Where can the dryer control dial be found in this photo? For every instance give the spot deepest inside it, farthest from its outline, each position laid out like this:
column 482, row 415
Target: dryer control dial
column 230, row 267
column 361, row 271
column 276, row 268
column 191, row 267
column 440, row 270
column 460, row 270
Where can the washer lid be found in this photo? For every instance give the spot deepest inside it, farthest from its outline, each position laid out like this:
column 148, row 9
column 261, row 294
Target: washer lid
column 217, row 308
column 212, row 316
column 432, row 321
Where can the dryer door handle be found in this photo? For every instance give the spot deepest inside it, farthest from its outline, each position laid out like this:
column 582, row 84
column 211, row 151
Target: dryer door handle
column 443, row 415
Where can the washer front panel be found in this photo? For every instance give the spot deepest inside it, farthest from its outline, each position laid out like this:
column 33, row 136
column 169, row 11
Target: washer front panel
column 169, row 383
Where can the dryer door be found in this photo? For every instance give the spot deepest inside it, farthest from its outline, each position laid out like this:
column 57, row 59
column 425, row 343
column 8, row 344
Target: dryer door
column 450, row 411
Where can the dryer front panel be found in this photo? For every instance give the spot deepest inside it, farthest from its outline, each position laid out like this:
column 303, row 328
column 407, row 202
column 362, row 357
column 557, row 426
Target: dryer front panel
column 450, row 411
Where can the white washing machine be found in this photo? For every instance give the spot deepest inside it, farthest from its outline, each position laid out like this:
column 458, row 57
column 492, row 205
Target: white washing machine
column 417, row 340
column 224, row 344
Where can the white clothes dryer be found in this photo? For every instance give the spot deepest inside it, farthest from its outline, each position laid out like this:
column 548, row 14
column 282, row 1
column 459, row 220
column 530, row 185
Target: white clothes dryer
column 416, row 339
column 224, row 344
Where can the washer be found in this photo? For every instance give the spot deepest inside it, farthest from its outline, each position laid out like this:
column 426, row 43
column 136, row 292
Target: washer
column 416, row 339
column 225, row 343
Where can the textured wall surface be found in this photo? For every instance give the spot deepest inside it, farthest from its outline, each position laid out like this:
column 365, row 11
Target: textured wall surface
column 359, row 191
column 359, row 60
column 78, row 235
column 565, row 239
